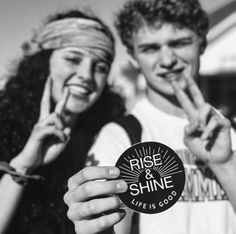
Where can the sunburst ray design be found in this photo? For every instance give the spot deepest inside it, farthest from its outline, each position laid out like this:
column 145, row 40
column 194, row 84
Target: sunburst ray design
column 166, row 166
column 131, row 182
column 127, row 168
column 173, row 173
column 131, row 178
column 137, row 153
column 144, row 153
column 169, row 168
column 165, row 154
column 141, row 153
column 167, row 158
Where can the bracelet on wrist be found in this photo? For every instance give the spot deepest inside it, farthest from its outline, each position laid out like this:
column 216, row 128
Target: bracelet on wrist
column 19, row 178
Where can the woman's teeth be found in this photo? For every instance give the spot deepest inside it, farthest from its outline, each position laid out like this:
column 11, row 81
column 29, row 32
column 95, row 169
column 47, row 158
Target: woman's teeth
column 79, row 90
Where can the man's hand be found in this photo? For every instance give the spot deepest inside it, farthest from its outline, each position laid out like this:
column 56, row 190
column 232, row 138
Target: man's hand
column 208, row 133
column 92, row 199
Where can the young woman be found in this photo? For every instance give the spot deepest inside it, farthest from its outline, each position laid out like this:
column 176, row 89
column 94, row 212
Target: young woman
column 50, row 112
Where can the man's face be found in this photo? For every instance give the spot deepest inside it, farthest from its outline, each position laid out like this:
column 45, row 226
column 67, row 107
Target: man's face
column 166, row 53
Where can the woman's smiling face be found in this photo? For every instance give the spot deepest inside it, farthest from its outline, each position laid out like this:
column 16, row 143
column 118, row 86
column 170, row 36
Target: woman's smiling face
column 83, row 73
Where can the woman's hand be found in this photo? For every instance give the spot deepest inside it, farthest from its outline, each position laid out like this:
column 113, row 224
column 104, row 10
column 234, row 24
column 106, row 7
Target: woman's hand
column 49, row 136
column 93, row 202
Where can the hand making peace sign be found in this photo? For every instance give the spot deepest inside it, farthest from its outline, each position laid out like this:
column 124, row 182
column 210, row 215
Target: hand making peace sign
column 208, row 133
column 49, row 136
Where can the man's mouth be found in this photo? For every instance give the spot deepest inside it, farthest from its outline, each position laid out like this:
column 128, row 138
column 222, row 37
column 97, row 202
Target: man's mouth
column 173, row 75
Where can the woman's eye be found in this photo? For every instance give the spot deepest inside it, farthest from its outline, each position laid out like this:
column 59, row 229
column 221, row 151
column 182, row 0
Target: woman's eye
column 73, row 60
column 102, row 68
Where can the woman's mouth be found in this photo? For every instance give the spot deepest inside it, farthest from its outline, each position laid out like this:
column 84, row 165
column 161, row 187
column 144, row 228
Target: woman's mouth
column 79, row 90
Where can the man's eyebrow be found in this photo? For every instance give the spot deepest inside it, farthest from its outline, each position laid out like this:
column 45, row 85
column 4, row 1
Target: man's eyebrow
column 185, row 38
column 174, row 40
column 147, row 45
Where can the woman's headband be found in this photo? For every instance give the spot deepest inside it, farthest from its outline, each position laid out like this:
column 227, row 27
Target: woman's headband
column 74, row 32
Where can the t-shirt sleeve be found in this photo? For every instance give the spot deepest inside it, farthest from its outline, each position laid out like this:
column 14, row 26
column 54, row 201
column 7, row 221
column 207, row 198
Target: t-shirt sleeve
column 111, row 142
column 233, row 139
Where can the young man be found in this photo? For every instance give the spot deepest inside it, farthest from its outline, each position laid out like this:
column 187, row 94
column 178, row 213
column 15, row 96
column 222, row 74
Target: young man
column 166, row 38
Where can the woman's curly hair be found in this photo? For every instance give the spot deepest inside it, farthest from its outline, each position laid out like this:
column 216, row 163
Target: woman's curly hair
column 20, row 100
column 136, row 13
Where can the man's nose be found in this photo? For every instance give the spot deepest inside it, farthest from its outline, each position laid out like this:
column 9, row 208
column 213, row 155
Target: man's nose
column 167, row 58
column 85, row 70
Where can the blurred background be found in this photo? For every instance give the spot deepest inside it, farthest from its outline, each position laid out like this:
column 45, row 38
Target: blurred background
column 218, row 64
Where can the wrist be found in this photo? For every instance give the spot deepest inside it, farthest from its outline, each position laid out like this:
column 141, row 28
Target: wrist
column 224, row 167
column 21, row 166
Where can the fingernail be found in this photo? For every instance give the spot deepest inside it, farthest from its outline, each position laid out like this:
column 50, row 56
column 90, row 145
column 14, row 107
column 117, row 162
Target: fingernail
column 204, row 136
column 114, row 171
column 121, row 186
column 67, row 131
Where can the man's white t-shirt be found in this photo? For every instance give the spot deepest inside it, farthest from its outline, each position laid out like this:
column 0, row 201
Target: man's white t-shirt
column 203, row 207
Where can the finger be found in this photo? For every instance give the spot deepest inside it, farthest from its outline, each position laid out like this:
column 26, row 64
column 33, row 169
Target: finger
column 86, row 210
column 60, row 107
column 52, row 131
column 67, row 132
column 195, row 92
column 92, row 173
column 45, row 101
column 99, row 188
column 184, row 101
column 215, row 123
column 99, row 224
column 204, row 114
column 191, row 128
column 52, row 119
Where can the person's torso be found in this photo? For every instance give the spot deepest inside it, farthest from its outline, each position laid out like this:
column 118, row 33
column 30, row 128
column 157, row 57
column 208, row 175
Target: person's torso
column 203, row 206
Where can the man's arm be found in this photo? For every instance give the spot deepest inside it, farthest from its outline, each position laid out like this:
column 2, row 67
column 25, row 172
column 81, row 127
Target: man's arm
column 226, row 174
column 208, row 136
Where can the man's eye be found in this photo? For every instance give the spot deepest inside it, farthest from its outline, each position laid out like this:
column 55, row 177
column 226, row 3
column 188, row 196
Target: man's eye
column 150, row 50
column 180, row 44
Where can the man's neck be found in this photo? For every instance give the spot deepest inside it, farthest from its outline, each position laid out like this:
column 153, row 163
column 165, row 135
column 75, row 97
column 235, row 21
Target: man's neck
column 167, row 104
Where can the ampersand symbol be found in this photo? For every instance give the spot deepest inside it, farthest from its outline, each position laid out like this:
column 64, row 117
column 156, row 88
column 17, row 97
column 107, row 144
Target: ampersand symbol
column 148, row 174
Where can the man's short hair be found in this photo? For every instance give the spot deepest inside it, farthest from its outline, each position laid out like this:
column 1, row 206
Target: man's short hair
column 136, row 13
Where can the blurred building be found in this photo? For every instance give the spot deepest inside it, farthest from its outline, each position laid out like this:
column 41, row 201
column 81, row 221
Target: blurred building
column 218, row 63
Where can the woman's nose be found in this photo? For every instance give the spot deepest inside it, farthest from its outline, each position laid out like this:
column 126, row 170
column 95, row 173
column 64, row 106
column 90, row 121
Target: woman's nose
column 85, row 69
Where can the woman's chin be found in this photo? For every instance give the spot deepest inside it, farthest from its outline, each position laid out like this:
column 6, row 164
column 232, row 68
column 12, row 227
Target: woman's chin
column 77, row 108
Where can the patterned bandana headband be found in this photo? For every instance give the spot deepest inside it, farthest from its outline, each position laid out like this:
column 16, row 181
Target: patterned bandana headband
column 73, row 32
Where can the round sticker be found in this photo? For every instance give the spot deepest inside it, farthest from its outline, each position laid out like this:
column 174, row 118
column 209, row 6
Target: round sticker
column 155, row 176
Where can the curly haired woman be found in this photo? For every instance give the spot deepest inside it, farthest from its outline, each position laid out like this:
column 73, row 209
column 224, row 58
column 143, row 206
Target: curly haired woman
column 51, row 109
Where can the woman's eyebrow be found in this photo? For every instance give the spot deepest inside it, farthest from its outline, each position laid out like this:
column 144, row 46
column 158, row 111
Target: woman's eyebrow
column 76, row 52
